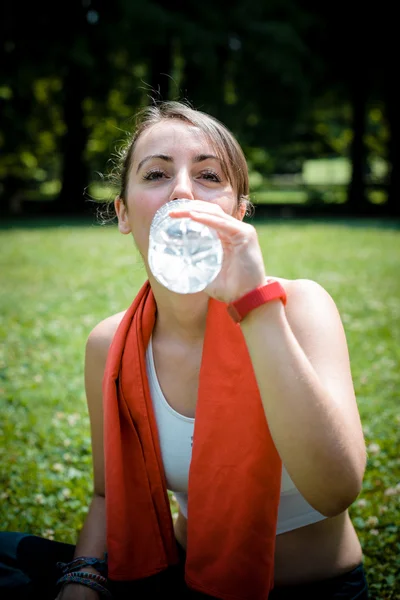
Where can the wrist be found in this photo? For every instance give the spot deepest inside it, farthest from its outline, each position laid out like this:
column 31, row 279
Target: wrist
column 248, row 290
column 77, row 591
column 270, row 292
column 88, row 584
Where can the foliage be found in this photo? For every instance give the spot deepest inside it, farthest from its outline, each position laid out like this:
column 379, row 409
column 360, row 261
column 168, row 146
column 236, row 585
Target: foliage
column 273, row 72
column 59, row 280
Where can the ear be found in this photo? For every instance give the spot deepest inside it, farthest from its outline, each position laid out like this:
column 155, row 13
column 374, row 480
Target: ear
column 241, row 210
column 122, row 214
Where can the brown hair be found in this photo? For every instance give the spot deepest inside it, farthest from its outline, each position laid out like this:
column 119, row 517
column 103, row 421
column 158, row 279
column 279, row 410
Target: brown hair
column 226, row 146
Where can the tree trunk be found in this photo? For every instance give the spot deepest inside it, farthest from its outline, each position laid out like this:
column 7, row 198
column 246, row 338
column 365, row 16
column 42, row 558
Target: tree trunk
column 356, row 194
column 204, row 84
column 74, row 170
column 393, row 119
column 160, row 71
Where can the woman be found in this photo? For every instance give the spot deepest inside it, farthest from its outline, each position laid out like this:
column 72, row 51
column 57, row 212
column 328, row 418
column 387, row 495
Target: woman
column 278, row 456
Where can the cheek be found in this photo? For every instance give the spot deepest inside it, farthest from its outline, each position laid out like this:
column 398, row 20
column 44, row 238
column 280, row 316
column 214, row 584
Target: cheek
column 140, row 231
column 229, row 204
column 142, row 213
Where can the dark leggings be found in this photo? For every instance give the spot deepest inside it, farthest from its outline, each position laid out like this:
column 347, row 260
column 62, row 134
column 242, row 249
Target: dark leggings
column 28, row 571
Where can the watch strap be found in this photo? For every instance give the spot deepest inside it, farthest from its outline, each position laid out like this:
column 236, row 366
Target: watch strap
column 272, row 290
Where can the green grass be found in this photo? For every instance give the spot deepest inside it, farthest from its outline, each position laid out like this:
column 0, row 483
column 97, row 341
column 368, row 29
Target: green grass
column 57, row 282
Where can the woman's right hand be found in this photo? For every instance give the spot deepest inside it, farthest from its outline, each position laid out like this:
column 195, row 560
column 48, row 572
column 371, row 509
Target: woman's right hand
column 77, row 591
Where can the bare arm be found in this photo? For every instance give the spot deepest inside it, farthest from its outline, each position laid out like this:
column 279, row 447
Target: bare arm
column 92, row 537
column 300, row 359
column 301, row 363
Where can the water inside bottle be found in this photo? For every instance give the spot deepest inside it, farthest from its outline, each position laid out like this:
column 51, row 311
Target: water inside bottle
column 184, row 256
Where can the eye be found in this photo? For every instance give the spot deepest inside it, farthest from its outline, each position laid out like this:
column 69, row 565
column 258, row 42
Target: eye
column 153, row 175
column 211, row 176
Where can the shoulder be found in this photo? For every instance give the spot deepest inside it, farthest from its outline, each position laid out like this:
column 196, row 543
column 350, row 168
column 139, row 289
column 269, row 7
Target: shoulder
column 101, row 336
column 299, row 285
column 304, row 290
column 316, row 323
column 308, row 302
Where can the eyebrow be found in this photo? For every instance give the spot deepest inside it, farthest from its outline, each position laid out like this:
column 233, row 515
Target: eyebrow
column 198, row 158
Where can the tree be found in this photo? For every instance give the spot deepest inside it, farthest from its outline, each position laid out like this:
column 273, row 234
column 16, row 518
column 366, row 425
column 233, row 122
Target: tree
column 389, row 68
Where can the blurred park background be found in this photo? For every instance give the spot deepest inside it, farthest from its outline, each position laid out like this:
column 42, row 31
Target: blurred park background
column 310, row 90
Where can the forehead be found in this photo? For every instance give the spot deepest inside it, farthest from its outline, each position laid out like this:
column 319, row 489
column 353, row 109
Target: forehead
column 171, row 137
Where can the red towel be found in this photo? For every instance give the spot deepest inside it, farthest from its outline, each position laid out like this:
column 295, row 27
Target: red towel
column 235, row 472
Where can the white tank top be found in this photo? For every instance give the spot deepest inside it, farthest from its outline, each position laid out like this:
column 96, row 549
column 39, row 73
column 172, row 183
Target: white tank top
column 175, row 432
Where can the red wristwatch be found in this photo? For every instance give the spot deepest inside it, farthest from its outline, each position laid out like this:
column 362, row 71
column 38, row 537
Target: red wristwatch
column 272, row 290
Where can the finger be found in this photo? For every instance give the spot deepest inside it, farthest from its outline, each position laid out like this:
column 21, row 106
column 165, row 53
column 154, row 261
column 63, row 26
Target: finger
column 223, row 224
column 204, row 207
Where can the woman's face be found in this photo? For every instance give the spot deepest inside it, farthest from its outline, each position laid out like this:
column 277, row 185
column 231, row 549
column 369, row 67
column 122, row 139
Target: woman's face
column 172, row 159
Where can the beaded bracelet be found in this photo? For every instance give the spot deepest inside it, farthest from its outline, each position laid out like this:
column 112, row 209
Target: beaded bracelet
column 84, row 561
column 91, row 580
column 88, row 575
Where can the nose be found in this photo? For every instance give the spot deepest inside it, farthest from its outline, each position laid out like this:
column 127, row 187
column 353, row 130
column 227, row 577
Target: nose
column 182, row 187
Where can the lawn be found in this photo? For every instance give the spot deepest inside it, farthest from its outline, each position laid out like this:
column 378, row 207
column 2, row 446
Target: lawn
column 58, row 281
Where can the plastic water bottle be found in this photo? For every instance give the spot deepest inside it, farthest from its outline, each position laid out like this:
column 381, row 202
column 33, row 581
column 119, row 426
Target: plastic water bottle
column 184, row 256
